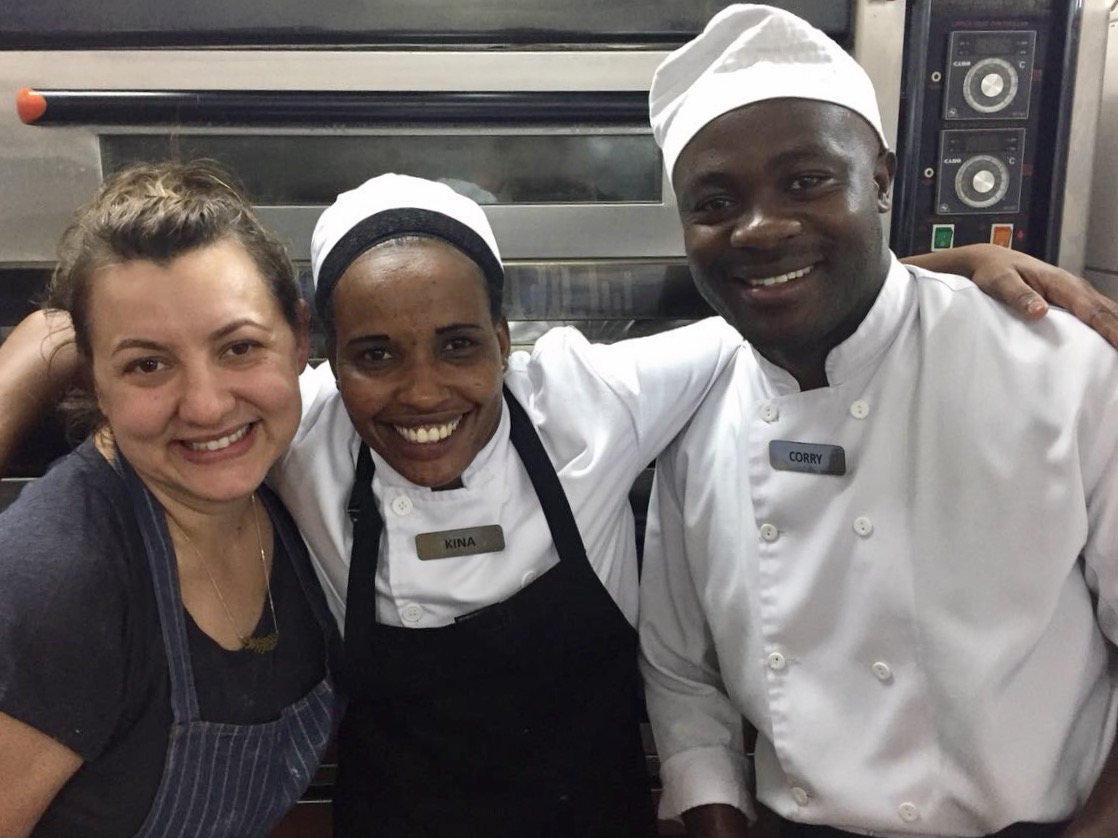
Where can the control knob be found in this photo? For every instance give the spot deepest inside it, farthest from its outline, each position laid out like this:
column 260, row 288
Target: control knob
column 981, row 181
column 990, row 85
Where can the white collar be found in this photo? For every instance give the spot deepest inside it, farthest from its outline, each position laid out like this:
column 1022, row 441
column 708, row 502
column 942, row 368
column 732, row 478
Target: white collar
column 870, row 340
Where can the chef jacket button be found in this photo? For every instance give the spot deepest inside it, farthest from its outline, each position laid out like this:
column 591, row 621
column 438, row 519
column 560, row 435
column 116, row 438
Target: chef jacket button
column 777, row 661
column 801, row 796
column 908, row 812
column 882, row 672
column 402, row 505
column 863, row 526
column 769, row 532
column 528, row 578
column 860, row 409
column 411, row 613
column 770, row 412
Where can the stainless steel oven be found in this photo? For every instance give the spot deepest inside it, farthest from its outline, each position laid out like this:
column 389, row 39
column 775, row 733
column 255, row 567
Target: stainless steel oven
column 539, row 108
column 554, row 142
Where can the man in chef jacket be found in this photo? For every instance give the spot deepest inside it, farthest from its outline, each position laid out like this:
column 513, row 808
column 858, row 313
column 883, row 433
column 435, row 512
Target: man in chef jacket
column 889, row 538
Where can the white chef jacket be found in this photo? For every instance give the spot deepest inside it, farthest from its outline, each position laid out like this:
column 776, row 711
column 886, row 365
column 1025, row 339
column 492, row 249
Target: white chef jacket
column 602, row 412
column 917, row 641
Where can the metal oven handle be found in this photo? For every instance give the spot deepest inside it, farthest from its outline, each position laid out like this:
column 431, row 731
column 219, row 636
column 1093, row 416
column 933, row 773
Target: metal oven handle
column 283, row 107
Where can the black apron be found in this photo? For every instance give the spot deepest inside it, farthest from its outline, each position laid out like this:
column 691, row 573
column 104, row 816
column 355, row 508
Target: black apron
column 521, row 719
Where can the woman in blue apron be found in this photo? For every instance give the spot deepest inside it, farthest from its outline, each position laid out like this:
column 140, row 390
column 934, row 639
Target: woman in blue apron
column 164, row 642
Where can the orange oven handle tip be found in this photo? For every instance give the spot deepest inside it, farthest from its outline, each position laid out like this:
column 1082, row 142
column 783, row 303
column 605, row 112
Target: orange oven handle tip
column 30, row 105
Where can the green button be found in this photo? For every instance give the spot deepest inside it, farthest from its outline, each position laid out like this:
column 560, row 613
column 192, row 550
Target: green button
column 943, row 236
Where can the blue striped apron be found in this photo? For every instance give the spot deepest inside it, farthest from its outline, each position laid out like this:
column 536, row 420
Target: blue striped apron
column 225, row 780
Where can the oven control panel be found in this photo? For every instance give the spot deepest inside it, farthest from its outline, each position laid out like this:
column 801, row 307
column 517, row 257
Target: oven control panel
column 978, row 146
column 988, row 79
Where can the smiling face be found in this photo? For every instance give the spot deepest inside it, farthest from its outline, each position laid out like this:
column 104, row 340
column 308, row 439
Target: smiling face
column 419, row 358
column 780, row 203
column 196, row 370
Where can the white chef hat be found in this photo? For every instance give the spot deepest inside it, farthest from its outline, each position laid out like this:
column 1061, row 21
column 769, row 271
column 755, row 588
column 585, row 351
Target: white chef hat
column 387, row 207
column 750, row 54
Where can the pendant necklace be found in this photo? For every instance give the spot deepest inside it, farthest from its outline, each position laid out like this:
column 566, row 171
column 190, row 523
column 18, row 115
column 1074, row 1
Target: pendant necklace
column 264, row 643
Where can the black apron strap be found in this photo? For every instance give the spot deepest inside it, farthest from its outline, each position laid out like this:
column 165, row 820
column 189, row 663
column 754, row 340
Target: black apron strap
column 361, row 612
column 541, row 471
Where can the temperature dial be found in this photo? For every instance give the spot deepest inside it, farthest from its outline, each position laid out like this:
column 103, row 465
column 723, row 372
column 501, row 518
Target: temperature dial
column 990, row 85
column 981, row 181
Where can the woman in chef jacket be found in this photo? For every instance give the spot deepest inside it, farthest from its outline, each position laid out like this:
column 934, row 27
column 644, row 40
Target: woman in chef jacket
column 491, row 558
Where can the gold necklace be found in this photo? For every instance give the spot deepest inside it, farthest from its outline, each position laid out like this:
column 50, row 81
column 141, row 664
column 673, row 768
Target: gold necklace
column 259, row 645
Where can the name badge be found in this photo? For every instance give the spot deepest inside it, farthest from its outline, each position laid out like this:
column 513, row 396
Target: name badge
column 452, row 543
column 807, row 457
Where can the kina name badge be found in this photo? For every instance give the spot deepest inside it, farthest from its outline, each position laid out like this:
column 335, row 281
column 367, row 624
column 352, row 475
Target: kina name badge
column 450, row 544
column 807, row 457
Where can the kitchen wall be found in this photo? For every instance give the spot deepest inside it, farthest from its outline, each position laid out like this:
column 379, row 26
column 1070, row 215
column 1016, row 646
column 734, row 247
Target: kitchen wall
column 1102, row 231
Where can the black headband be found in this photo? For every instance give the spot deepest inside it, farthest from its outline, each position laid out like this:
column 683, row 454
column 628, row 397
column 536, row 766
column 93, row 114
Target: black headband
column 395, row 223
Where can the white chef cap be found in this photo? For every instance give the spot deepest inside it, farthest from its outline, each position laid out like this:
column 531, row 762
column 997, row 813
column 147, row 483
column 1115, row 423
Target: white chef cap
column 750, row 54
column 390, row 206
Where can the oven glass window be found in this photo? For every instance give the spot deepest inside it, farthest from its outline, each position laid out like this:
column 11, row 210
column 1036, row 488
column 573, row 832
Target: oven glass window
column 299, row 170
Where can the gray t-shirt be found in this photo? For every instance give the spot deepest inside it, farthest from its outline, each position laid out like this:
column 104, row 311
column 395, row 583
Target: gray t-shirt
column 81, row 650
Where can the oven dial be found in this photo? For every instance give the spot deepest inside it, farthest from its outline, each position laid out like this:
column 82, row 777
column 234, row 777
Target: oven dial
column 981, row 181
column 990, row 85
